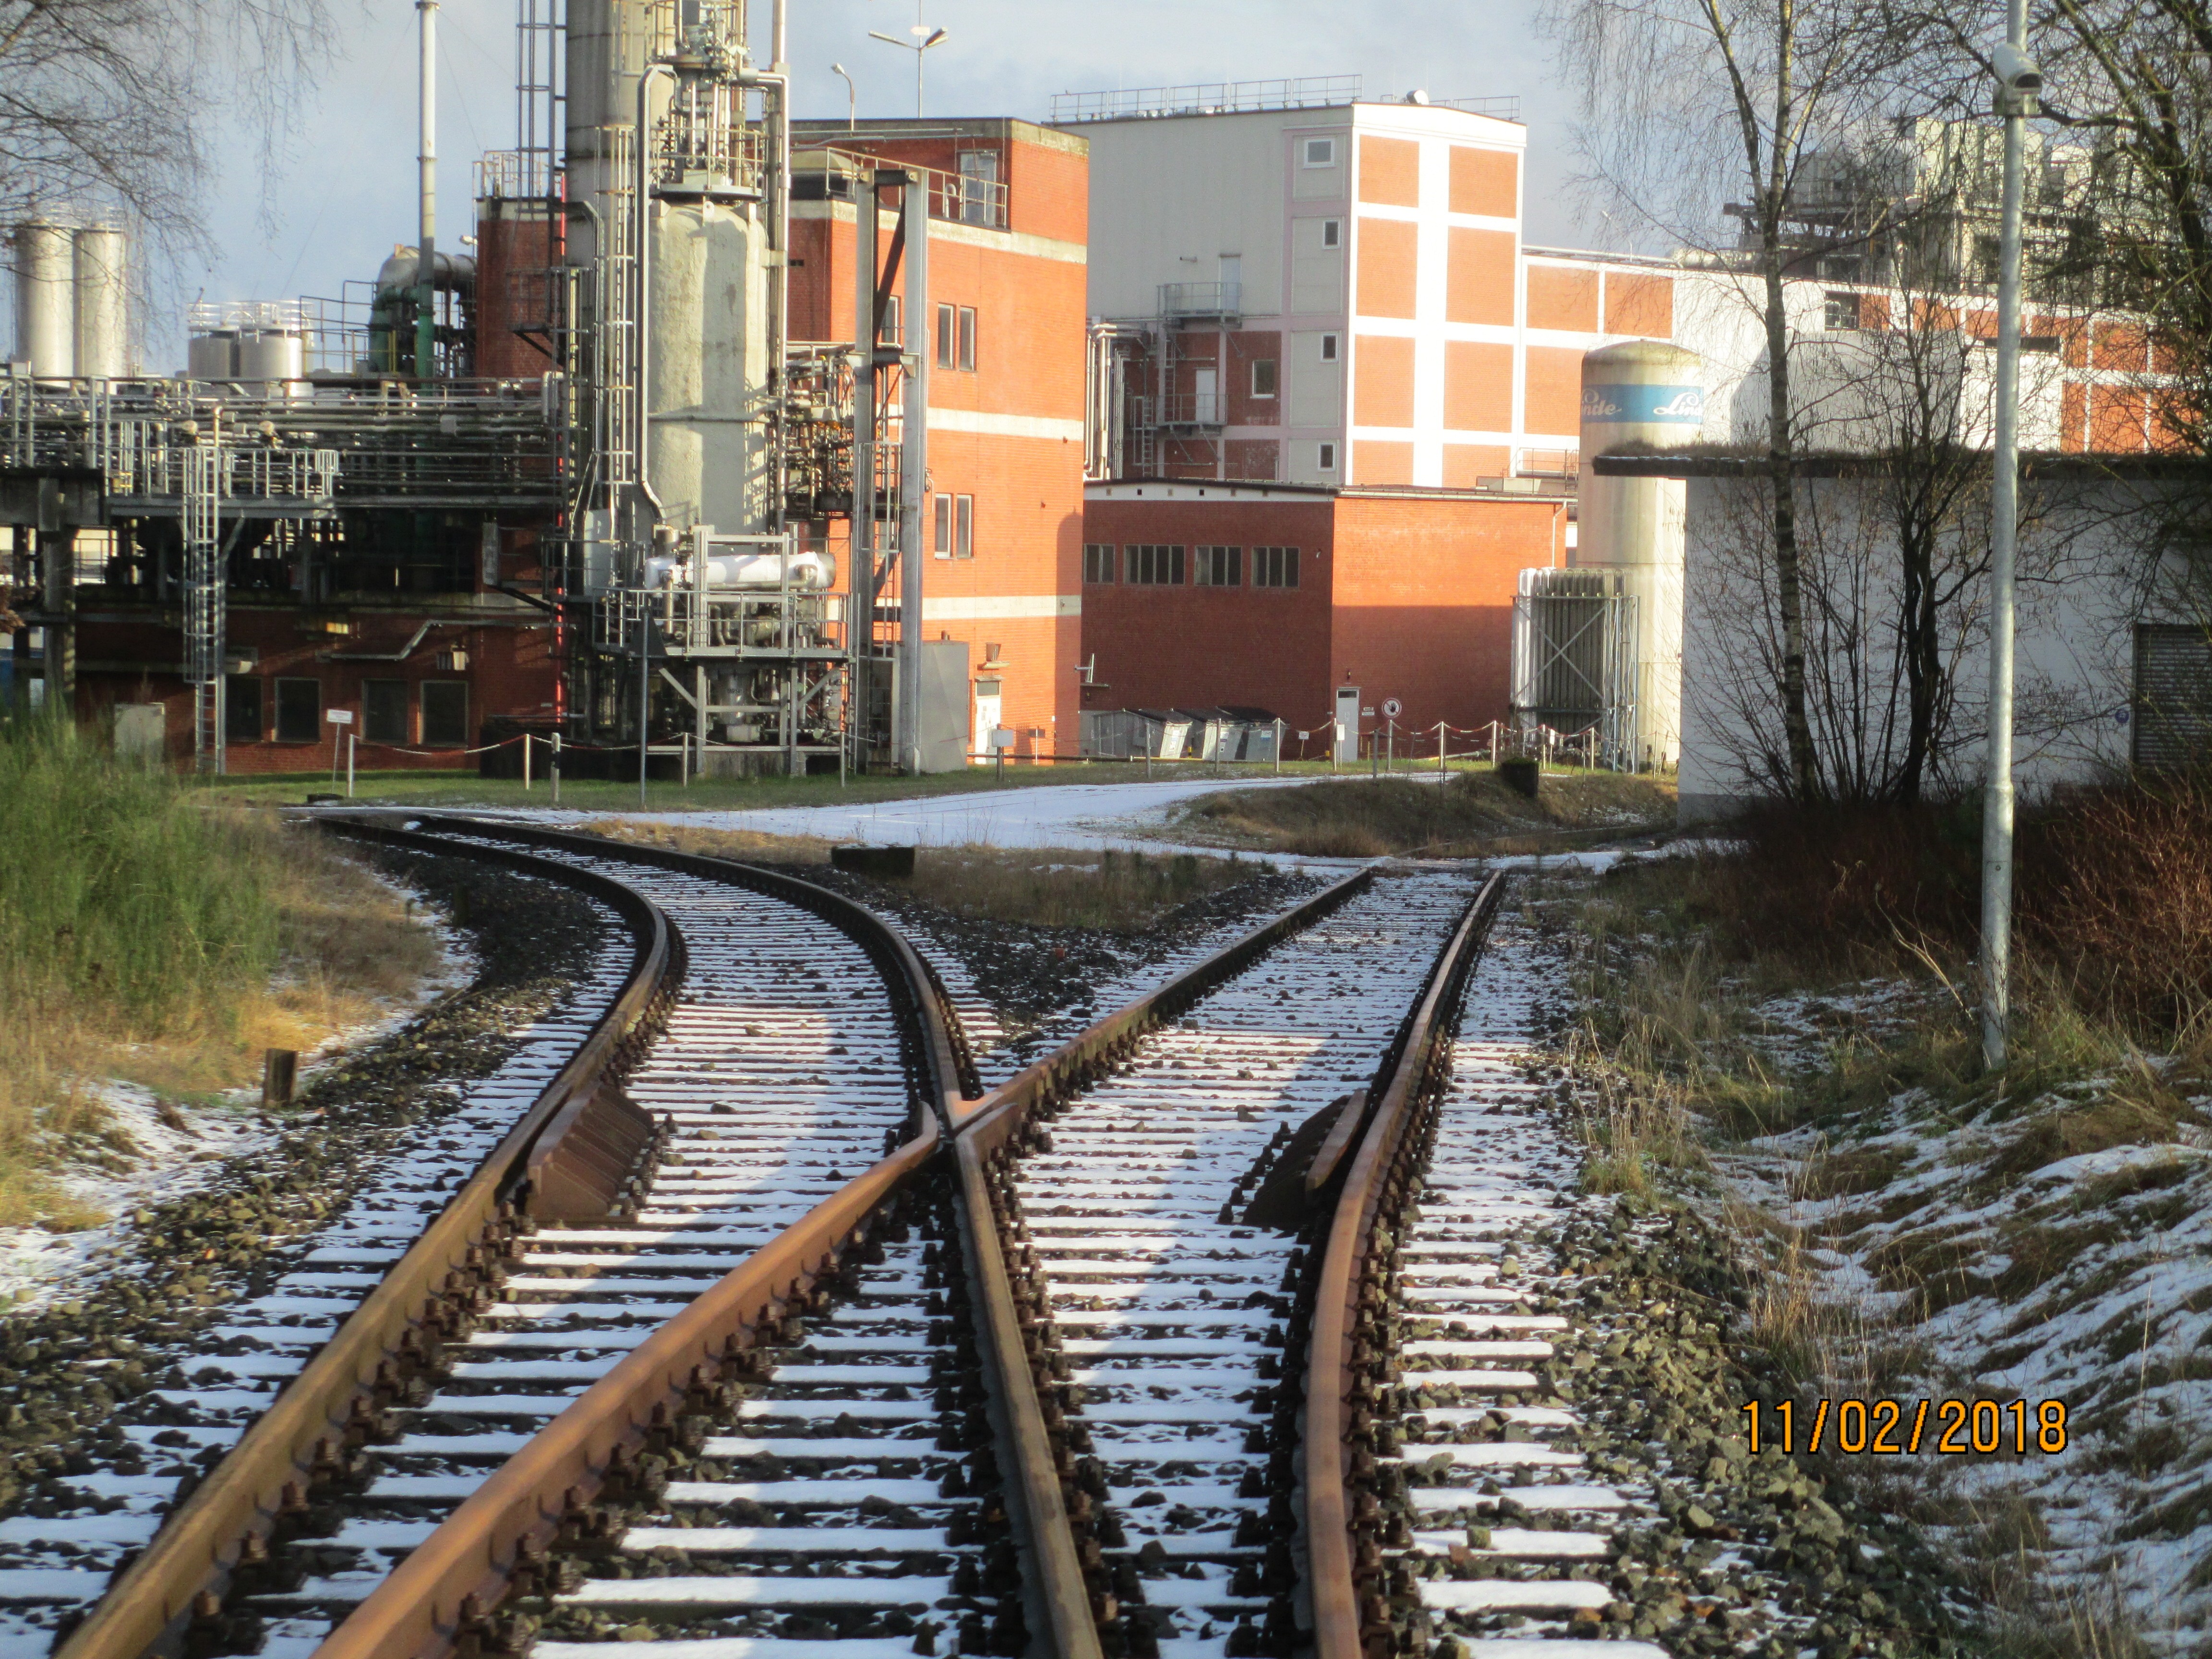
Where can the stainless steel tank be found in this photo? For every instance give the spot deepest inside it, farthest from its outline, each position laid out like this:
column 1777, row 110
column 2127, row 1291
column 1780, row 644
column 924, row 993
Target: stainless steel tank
column 707, row 365
column 212, row 356
column 270, row 355
column 1642, row 394
column 101, row 280
column 46, row 300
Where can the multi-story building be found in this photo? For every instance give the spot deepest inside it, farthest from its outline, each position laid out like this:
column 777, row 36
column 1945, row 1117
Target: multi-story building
column 1006, row 280
column 1327, row 302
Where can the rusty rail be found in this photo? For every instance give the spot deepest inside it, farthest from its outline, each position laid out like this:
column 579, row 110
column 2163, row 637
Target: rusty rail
column 1348, row 1359
column 321, row 1418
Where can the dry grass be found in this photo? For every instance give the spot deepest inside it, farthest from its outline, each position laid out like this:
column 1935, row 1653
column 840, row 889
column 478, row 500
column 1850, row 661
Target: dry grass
column 158, row 942
column 1040, row 886
column 1474, row 813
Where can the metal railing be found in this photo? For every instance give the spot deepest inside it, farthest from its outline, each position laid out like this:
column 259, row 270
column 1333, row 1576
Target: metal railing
column 1201, row 300
column 1206, row 98
column 516, row 174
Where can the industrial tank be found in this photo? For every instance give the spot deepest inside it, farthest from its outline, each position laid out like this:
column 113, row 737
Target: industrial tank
column 707, row 369
column 1642, row 394
column 100, row 278
column 271, row 355
column 46, row 300
column 212, row 354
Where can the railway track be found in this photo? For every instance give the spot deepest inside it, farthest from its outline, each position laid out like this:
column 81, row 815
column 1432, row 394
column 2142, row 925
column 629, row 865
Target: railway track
column 772, row 1335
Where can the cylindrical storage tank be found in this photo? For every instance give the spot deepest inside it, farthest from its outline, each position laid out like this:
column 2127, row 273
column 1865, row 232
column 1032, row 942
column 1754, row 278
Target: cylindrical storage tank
column 103, row 344
column 1650, row 395
column 212, row 356
column 45, row 300
column 707, row 368
column 270, row 355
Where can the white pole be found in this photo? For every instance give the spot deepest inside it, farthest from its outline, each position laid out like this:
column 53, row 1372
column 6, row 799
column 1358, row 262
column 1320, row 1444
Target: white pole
column 526, row 763
column 556, row 768
column 2004, row 509
column 1440, row 749
column 426, row 272
column 349, row 766
column 1279, row 746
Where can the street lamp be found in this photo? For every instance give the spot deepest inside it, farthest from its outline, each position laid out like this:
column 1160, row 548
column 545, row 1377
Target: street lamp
column 852, row 97
column 924, row 38
column 2019, row 80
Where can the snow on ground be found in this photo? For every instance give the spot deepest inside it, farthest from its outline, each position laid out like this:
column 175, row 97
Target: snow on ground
column 178, row 1147
column 1119, row 816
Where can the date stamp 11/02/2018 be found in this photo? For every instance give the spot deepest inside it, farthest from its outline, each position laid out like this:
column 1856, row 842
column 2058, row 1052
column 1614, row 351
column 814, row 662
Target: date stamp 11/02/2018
column 1899, row 1428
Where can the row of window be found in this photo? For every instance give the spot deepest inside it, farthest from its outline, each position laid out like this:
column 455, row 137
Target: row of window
column 956, row 332
column 1152, row 564
column 297, row 706
column 956, row 527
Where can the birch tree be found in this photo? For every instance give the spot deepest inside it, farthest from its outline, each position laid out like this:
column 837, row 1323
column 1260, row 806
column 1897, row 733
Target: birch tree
column 1709, row 123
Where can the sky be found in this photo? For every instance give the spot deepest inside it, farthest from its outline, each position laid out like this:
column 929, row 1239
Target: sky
column 340, row 193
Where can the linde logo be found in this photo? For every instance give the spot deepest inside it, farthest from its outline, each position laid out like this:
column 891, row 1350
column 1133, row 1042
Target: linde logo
column 1637, row 403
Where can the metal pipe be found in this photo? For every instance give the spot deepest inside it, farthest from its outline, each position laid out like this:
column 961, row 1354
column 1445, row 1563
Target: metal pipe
column 642, row 335
column 860, row 582
column 426, row 252
column 2004, row 534
column 778, row 81
column 914, row 467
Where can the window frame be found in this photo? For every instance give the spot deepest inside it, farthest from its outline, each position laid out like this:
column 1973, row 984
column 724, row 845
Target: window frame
column 371, row 730
column 948, row 325
column 1161, row 564
column 423, row 696
column 1208, row 564
column 1332, row 348
column 1273, row 377
column 1332, row 233
column 1275, row 567
column 1325, row 456
column 232, row 684
column 940, row 541
column 965, row 325
column 1327, row 148
column 963, row 527
column 1097, row 556
column 315, row 720
column 894, row 331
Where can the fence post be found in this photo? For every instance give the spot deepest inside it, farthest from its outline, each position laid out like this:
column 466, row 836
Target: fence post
column 526, row 763
column 556, row 768
column 1279, row 746
column 1440, row 749
column 1494, row 727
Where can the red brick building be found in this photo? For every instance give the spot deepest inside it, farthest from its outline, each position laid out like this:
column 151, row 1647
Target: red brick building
column 1009, row 205
column 1274, row 596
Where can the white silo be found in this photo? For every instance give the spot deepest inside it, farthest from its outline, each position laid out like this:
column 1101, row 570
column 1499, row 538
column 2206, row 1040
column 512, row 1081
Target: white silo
column 100, row 256
column 1642, row 394
column 46, row 300
column 706, row 377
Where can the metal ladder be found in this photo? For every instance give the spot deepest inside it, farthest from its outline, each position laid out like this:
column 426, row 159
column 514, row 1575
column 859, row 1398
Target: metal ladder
column 205, row 594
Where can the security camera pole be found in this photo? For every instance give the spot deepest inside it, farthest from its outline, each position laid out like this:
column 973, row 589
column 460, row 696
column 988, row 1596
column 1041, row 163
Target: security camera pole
column 2018, row 82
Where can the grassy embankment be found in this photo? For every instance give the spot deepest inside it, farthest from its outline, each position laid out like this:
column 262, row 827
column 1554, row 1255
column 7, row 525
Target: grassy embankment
column 1039, row 886
column 1472, row 814
column 1789, row 1034
column 460, row 788
column 151, row 936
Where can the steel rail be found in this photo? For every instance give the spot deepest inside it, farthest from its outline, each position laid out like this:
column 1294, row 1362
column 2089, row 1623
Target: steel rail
column 496, row 1543
column 1344, row 1363
column 180, row 1580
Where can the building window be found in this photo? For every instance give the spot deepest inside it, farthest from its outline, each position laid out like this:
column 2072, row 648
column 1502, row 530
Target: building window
column 1328, row 348
column 1325, row 458
column 445, row 714
column 947, row 331
column 980, row 195
column 1841, row 311
column 893, row 329
column 956, row 527
column 299, row 711
column 1263, row 377
column 1098, row 564
column 968, row 338
column 1151, row 566
column 1320, row 152
column 1275, row 566
column 1220, row 567
column 241, row 708
column 384, row 711
column 1332, row 233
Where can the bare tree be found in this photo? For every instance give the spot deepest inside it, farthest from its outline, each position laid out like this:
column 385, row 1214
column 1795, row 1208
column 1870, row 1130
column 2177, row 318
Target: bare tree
column 1801, row 83
column 117, row 107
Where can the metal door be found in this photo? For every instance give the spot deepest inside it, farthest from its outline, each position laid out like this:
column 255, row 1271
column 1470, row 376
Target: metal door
column 1205, row 401
column 1347, row 723
column 987, row 720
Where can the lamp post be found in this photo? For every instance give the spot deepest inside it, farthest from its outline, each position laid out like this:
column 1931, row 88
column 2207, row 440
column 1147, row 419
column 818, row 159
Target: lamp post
column 2019, row 80
column 924, row 38
column 852, row 98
